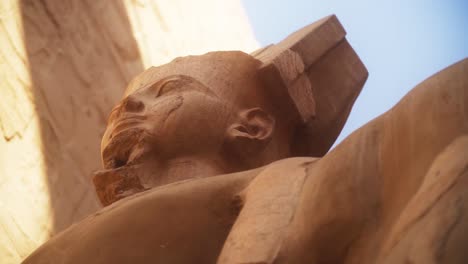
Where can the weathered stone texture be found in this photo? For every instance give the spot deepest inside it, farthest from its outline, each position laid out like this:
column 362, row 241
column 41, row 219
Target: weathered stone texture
column 63, row 65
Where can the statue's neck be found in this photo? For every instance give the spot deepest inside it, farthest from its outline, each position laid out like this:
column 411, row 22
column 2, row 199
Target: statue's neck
column 183, row 168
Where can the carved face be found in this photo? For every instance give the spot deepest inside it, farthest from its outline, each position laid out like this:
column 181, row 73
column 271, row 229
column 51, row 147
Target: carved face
column 175, row 116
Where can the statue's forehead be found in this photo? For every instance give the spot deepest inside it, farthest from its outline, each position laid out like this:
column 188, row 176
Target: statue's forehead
column 217, row 70
column 174, row 81
column 159, row 82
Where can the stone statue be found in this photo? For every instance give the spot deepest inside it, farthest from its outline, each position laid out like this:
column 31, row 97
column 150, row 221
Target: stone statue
column 222, row 158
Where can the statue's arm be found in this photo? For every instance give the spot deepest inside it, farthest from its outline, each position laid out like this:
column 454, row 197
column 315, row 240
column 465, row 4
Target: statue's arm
column 354, row 196
column 433, row 227
column 269, row 204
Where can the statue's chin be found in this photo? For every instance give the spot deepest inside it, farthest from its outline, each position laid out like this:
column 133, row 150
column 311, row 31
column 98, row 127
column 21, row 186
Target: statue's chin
column 125, row 148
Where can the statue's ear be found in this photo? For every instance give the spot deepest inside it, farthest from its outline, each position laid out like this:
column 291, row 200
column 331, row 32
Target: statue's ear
column 251, row 132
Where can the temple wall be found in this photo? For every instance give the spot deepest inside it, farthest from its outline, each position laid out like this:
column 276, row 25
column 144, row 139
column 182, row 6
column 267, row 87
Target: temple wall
column 63, row 65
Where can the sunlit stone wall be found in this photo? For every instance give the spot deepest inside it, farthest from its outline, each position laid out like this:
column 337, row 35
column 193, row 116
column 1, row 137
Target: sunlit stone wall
column 63, row 64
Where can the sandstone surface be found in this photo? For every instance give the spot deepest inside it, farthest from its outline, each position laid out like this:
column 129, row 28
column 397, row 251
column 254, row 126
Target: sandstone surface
column 63, row 65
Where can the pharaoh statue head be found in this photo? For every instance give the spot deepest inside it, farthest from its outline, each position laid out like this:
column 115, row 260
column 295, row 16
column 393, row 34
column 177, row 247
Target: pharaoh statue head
column 229, row 111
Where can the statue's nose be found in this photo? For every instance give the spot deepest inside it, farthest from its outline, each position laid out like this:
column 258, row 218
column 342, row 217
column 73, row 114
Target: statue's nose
column 132, row 104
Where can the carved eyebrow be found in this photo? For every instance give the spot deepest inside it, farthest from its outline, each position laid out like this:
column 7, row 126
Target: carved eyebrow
column 183, row 80
column 171, row 84
column 159, row 84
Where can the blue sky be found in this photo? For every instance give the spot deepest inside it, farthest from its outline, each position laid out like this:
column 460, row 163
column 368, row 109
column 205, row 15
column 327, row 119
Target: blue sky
column 401, row 42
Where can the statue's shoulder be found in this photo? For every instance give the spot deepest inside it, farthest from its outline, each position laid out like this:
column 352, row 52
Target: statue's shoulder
column 229, row 185
column 290, row 164
column 278, row 180
column 170, row 216
column 286, row 170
